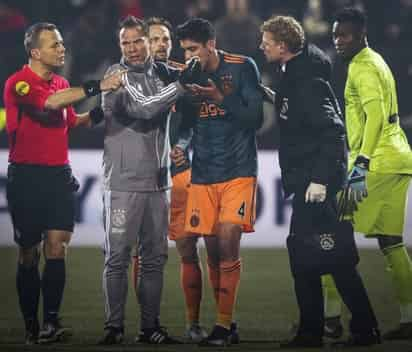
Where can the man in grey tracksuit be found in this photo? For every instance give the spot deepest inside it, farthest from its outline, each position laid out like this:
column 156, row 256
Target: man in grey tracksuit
column 136, row 177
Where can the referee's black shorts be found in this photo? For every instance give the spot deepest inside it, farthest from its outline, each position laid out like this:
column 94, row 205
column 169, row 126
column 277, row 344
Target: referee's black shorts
column 40, row 198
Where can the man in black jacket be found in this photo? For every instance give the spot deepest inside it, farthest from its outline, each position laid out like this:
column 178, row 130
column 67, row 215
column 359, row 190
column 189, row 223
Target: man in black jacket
column 312, row 156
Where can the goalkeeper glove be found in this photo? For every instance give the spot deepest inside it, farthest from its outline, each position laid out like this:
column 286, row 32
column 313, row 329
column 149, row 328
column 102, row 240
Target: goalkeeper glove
column 192, row 73
column 357, row 179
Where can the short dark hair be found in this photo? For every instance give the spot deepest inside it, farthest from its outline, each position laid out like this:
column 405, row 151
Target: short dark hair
column 354, row 16
column 196, row 29
column 32, row 35
column 131, row 22
column 160, row 21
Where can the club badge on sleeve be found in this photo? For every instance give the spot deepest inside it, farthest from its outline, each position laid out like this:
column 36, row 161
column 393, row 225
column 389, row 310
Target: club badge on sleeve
column 22, row 88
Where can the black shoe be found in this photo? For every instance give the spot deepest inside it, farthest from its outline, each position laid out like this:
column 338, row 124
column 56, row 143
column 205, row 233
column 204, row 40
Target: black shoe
column 234, row 334
column 333, row 328
column 32, row 331
column 219, row 337
column 54, row 332
column 303, row 341
column 112, row 336
column 402, row 332
column 156, row 336
column 364, row 339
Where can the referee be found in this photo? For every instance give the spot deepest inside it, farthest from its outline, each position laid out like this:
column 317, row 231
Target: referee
column 40, row 187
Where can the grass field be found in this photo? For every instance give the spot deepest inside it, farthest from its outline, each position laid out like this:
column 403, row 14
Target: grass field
column 266, row 306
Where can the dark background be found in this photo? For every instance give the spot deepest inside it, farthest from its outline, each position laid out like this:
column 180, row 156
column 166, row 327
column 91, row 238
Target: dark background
column 89, row 29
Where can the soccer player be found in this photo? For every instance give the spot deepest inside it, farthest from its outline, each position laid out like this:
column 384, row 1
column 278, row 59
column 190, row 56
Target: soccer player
column 380, row 160
column 312, row 158
column 160, row 39
column 40, row 187
column 221, row 203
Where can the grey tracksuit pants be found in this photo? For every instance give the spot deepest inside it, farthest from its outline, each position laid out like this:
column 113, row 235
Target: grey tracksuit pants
column 134, row 218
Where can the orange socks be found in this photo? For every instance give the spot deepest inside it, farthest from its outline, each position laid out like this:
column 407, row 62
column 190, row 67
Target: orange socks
column 229, row 283
column 225, row 282
column 214, row 278
column 191, row 281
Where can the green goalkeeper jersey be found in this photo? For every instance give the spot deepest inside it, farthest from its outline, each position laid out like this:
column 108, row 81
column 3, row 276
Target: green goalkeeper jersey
column 372, row 120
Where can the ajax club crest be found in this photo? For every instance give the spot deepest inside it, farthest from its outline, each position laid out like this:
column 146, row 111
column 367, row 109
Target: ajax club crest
column 194, row 219
column 327, row 242
column 284, row 109
column 119, row 218
column 227, row 84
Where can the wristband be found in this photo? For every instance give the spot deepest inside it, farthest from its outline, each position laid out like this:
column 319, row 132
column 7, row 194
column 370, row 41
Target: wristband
column 362, row 162
column 91, row 88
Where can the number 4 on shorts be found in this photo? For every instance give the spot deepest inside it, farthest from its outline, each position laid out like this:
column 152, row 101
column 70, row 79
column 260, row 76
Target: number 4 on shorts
column 242, row 210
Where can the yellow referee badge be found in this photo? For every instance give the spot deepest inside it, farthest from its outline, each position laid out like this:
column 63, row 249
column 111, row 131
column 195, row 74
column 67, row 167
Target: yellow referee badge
column 2, row 118
column 22, row 88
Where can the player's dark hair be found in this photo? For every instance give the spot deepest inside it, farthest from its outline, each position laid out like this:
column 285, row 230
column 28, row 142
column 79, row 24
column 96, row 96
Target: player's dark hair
column 354, row 16
column 132, row 22
column 197, row 29
column 32, row 35
column 160, row 21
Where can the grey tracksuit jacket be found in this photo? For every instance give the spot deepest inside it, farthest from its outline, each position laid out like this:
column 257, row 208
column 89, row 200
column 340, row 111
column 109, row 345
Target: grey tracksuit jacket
column 136, row 152
column 136, row 143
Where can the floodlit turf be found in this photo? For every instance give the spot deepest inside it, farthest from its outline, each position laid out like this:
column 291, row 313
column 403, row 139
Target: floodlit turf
column 266, row 305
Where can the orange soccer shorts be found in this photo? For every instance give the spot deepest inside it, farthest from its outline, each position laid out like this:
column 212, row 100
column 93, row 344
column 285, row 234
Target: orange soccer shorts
column 233, row 202
column 178, row 203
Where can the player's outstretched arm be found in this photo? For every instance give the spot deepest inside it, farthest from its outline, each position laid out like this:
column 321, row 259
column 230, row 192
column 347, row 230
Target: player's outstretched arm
column 90, row 118
column 69, row 96
column 138, row 105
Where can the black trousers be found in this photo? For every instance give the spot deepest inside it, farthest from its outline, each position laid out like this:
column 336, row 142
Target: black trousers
column 308, row 218
column 308, row 289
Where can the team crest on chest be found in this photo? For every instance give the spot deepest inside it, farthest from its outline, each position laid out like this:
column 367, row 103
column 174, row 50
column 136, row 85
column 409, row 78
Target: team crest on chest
column 284, row 109
column 227, row 84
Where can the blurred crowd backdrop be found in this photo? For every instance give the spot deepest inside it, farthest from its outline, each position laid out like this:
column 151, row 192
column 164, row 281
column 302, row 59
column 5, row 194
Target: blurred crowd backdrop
column 89, row 29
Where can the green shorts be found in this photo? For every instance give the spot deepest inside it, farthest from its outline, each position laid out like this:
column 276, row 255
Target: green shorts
column 383, row 211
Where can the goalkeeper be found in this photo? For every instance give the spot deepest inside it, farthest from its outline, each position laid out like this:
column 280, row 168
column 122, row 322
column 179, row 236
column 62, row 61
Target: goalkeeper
column 380, row 161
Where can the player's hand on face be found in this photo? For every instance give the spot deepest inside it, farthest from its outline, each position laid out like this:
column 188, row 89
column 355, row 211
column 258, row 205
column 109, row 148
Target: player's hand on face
column 113, row 81
column 210, row 92
column 191, row 73
column 178, row 156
